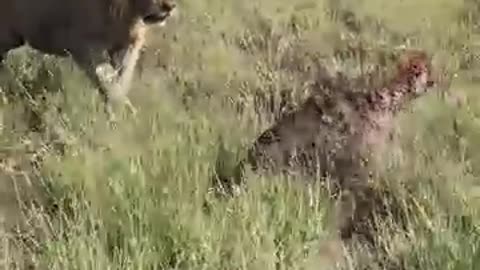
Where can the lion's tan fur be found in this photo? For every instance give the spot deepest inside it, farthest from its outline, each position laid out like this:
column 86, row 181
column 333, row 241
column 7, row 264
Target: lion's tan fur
column 118, row 8
column 130, row 60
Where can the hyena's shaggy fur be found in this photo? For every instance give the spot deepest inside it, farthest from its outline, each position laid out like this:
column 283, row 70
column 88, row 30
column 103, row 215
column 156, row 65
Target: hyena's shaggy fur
column 336, row 135
column 337, row 129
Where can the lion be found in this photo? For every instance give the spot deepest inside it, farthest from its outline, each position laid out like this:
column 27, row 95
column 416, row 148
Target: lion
column 103, row 37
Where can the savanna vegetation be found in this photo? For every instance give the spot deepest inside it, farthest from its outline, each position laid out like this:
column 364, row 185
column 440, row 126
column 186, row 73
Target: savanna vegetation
column 137, row 196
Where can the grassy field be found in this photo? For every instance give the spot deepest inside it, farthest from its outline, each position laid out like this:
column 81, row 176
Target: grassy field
column 136, row 197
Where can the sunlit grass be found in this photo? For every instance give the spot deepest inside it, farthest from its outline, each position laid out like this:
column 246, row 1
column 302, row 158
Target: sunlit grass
column 136, row 197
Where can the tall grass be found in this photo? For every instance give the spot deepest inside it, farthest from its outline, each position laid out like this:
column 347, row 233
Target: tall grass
column 136, row 197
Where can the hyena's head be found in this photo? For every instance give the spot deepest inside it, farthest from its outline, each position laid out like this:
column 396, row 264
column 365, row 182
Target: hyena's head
column 415, row 67
column 154, row 11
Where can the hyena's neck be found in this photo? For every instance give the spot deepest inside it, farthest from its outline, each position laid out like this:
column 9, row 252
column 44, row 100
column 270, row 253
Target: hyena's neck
column 390, row 98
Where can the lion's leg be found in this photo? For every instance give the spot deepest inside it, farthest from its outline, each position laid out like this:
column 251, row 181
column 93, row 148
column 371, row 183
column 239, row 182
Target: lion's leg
column 92, row 64
column 122, row 84
column 4, row 75
column 2, row 68
column 7, row 43
column 130, row 57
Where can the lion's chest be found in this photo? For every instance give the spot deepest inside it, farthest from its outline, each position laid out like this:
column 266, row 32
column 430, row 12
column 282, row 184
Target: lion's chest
column 60, row 26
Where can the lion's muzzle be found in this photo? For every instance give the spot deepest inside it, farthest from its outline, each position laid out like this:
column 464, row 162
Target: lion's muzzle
column 159, row 13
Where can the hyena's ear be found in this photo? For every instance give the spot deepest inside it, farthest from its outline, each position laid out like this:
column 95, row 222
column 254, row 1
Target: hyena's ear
column 403, row 64
column 411, row 60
